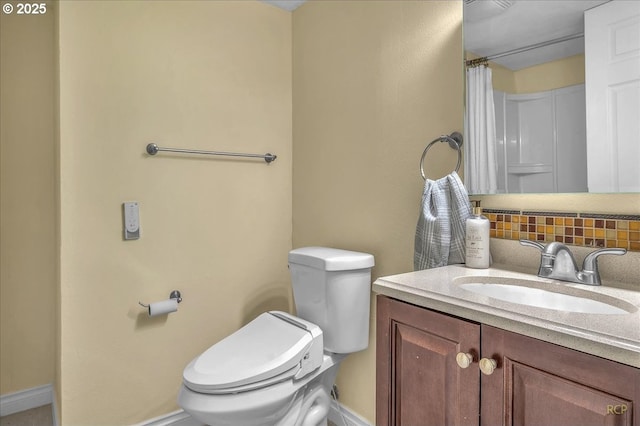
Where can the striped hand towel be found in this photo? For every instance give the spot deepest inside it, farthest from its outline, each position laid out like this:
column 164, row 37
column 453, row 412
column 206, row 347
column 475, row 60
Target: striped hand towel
column 440, row 234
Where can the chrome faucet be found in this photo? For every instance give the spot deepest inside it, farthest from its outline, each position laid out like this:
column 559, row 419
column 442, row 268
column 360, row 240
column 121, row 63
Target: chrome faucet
column 557, row 262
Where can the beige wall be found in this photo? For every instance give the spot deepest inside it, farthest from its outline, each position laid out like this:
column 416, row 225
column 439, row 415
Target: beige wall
column 202, row 75
column 27, row 201
column 628, row 203
column 551, row 75
column 503, row 78
column 539, row 78
column 373, row 84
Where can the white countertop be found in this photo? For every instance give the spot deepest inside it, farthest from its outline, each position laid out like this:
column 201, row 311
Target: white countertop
column 615, row 337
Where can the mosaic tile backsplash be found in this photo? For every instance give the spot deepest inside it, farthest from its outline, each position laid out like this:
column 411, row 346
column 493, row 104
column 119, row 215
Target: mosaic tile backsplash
column 580, row 229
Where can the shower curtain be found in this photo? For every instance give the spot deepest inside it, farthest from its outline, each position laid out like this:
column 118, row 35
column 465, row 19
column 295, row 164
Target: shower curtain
column 480, row 171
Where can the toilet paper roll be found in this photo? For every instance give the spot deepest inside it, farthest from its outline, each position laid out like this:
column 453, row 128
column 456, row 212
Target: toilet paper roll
column 163, row 307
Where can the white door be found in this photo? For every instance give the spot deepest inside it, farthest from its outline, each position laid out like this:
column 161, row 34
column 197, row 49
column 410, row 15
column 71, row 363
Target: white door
column 612, row 68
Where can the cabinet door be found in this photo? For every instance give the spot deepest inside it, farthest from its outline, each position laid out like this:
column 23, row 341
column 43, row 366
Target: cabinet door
column 418, row 380
column 538, row 383
column 612, row 72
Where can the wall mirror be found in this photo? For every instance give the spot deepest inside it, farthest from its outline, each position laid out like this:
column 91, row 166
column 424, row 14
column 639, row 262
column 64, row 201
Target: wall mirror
column 538, row 56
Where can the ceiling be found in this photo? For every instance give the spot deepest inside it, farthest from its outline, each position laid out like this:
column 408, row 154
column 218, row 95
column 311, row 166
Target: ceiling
column 496, row 26
column 289, row 5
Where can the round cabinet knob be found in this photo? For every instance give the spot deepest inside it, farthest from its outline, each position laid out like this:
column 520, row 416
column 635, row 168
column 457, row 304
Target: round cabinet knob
column 488, row 365
column 464, row 359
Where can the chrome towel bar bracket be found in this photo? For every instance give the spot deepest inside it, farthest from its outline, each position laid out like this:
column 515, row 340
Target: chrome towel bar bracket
column 153, row 149
column 455, row 142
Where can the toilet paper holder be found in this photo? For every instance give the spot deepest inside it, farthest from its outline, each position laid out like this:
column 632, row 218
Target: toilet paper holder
column 175, row 294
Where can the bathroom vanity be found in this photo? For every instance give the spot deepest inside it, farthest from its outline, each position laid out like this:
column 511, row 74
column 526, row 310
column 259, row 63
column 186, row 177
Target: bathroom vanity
column 450, row 352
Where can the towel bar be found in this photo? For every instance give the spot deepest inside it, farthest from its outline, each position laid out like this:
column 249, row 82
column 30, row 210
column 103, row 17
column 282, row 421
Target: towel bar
column 455, row 142
column 152, row 149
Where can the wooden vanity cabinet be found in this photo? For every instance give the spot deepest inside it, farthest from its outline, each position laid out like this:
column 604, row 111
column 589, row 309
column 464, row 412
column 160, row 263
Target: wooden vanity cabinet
column 419, row 382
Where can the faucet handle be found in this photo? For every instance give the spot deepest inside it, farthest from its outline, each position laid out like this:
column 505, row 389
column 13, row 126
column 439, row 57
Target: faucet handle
column 530, row 243
column 590, row 271
column 546, row 263
column 590, row 263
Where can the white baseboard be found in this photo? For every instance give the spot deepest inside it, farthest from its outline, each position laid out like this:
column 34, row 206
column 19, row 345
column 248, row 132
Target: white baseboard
column 176, row 418
column 27, row 399
column 43, row 395
column 338, row 415
column 343, row 416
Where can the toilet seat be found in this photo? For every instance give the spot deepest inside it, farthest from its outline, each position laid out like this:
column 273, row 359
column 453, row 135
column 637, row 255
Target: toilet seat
column 274, row 347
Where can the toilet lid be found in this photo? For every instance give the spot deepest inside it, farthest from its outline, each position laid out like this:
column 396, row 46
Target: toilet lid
column 269, row 348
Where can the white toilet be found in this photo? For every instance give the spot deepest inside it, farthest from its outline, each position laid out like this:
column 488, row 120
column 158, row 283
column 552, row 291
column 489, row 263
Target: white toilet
column 279, row 368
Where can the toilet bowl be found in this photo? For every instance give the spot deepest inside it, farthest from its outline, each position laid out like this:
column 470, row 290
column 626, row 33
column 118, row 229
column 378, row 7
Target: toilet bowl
column 278, row 370
column 289, row 403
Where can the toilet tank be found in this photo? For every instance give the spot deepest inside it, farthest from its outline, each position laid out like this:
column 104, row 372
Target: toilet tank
column 332, row 289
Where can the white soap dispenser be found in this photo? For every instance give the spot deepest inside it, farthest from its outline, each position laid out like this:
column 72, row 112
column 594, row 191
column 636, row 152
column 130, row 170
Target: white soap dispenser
column 477, row 254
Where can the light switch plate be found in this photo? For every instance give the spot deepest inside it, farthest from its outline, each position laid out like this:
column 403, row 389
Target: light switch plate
column 131, row 217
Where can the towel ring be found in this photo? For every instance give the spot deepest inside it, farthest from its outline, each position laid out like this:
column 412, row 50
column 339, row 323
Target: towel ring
column 455, row 142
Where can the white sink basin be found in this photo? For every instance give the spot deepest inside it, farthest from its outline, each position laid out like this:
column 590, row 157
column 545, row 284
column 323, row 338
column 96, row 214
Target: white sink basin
column 540, row 298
